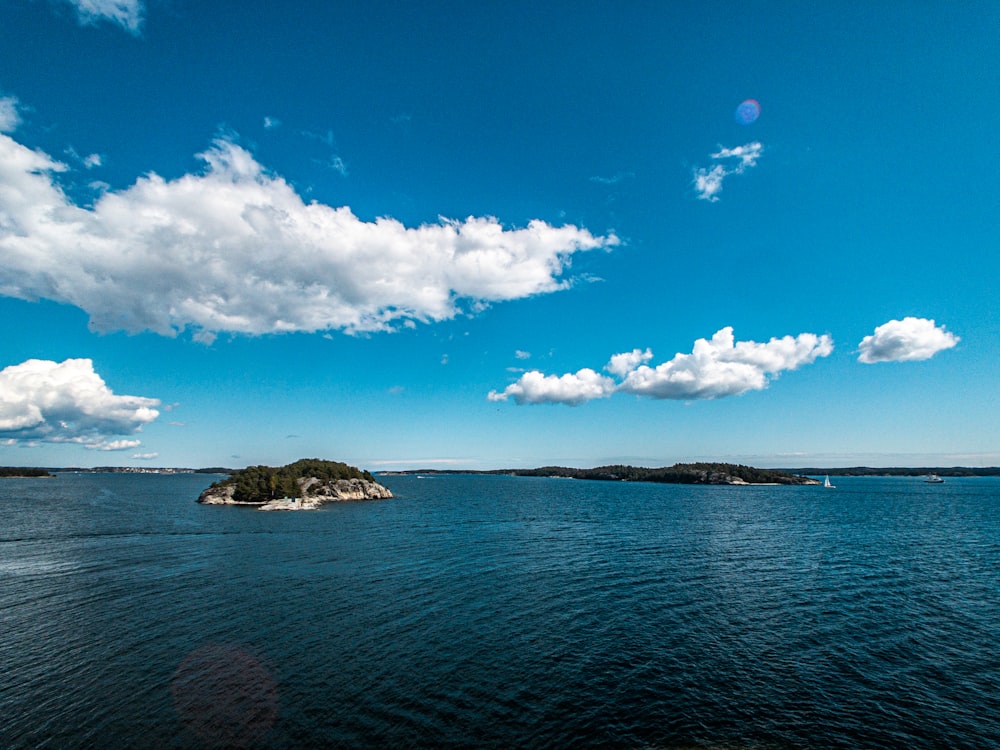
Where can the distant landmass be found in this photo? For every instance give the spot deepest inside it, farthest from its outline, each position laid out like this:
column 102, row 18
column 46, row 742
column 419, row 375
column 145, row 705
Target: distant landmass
column 21, row 471
column 306, row 484
column 902, row 471
column 697, row 473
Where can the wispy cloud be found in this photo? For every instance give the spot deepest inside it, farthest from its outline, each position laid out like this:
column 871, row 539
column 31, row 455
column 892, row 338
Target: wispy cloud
column 522, row 354
column 614, row 179
column 333, row 160
column 236, row 249
column 145, row 456
column 337, row 164
column 745, row 156
column 67, row 402
column 126, row 13
column 906, row 340
column 715, row 368
column 88, row 162
column 113, row 445
column 10, row 115
column 423, row 461
column 270, row 123
column 708, row 180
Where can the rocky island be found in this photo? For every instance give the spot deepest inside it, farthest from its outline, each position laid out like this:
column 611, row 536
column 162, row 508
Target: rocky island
column 306, row 484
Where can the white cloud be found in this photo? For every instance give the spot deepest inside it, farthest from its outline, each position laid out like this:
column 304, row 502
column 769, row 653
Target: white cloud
column 338, row 165
column 708, row 182
column 573, row 388
column 721, row 367
column 715, row 368
column 10, row 117
column 746, row 155
column 522, row 354
column 93, row 160
column 145, row 456
column 67, row 402
column 622, row 364
column 235, row 249
column 736, row 160
column 906, row 340
column 271, row 122
column 126, row 13
column 113, row 445
column 614, row 179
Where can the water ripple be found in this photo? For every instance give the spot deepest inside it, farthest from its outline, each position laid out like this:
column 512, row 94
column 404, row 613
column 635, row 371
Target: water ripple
column 500, row 612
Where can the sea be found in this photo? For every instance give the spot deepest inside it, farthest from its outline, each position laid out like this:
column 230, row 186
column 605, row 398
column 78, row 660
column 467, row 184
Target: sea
column 501, row 612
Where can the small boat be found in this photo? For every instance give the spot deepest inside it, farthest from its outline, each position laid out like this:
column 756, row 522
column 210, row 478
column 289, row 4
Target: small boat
column 934, row 479
column 826, row 483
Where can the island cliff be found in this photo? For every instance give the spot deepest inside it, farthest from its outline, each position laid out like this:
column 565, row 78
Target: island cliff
column 304, row 485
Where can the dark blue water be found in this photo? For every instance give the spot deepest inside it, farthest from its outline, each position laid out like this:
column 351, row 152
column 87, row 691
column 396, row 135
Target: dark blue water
column 502, row 612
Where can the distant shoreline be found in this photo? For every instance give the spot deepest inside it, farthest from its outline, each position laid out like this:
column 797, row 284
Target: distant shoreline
column 902, row 471
column 853, row 471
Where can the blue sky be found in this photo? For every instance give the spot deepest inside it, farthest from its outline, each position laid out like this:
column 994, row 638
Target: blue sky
column 484, row 235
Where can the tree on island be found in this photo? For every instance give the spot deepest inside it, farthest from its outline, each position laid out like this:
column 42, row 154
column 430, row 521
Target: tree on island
column 259, row 483
column 20, row 471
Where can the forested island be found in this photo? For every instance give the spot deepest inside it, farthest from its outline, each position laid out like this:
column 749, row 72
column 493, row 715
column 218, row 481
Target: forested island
column 304, row 485
column 21, row 471
column 696, row 473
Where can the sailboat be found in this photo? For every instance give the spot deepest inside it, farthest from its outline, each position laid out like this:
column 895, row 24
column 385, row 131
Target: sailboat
column 826, row 483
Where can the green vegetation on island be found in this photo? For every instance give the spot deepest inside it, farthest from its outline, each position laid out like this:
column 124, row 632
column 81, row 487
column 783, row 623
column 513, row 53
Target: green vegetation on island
column 696, row 473
column 20, row 471
column 258, row 484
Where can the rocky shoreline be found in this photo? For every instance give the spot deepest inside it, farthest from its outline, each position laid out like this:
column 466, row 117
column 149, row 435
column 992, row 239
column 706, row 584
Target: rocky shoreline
column 314, row 493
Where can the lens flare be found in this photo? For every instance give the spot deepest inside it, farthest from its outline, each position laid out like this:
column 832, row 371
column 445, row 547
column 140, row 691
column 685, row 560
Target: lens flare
column 747, row 112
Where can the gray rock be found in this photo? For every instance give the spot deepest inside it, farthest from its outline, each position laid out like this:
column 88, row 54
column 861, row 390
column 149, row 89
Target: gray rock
column 315, row 493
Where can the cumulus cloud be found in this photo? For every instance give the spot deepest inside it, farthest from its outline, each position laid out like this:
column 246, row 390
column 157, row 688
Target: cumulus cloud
column 714, row 369
column 67, row 402
column 906, row 340
column 708, row 180
column 573, row 388
column 10, row 116
column 236, row 249
column 126, row 13
column 723, row 367
column 622, row 364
